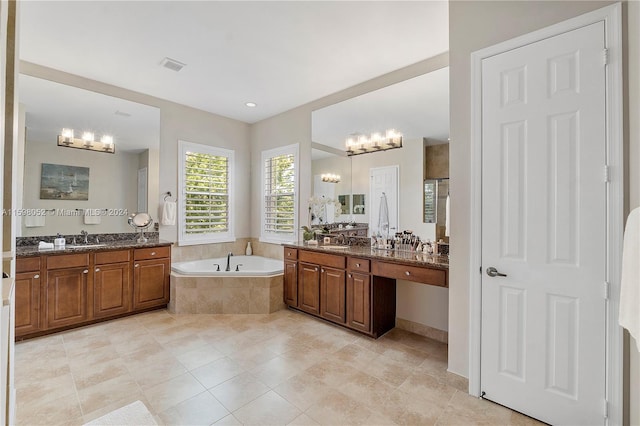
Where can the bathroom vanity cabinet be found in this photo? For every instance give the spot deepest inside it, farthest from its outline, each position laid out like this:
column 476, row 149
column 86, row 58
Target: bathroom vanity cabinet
column 58, row 291
column 352, row 288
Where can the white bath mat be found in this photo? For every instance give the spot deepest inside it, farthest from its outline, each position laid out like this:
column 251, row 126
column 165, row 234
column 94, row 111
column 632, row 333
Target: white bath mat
column 135, row 413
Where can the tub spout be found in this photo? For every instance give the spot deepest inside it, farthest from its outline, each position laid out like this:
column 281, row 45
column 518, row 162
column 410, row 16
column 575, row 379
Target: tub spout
column 228, row 268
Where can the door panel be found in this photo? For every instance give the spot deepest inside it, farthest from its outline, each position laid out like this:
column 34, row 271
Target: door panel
column 112, row 293
column 27, row 307
column 384, row 180
column 332, row 291
column 151, row 283
column 309, row 288
column 544, row 227
column 291, row 283
column 359, row 301
column 66, row 297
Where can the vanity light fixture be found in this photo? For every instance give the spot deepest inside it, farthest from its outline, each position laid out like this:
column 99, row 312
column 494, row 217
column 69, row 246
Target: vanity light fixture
column 330, row 177
column 105, row 144
column 361, row 144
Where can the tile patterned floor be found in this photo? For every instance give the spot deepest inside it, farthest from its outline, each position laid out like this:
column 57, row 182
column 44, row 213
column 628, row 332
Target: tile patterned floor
column 283, row 368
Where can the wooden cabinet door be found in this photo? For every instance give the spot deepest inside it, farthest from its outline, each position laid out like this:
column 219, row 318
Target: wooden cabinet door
column 111, row 289
column 332, row 294
column 309, row 288
column 359, row 301
column 27, row 305
column 66, row 297
column 151, row 283
column 290, row 283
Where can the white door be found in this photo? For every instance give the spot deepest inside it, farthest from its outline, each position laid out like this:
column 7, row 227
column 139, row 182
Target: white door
column 384, row 180
column 544, row 227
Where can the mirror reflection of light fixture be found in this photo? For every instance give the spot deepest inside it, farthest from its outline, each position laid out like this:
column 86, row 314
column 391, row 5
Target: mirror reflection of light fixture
column 361, row 144
column 330, row 177
column 105, row 144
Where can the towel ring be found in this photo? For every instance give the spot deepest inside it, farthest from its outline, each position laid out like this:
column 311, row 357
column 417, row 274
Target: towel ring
column 167, row 195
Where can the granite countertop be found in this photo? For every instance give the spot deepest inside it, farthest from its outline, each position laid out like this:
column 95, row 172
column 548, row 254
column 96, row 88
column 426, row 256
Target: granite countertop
column 32, row 250
column 399, row 256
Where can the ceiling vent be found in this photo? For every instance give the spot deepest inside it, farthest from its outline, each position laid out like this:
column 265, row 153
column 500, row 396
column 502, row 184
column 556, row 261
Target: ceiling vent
column 172, row 64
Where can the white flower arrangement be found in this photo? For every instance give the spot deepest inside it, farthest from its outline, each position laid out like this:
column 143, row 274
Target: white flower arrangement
column 318, row 208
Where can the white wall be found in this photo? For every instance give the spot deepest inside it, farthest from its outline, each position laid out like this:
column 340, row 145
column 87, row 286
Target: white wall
column 112, row 185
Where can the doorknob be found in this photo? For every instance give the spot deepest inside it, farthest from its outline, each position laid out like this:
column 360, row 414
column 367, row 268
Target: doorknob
column 493, row 272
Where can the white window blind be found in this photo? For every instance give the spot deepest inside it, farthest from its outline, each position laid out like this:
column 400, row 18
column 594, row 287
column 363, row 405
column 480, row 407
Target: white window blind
column 206, row 198
column 280, row 198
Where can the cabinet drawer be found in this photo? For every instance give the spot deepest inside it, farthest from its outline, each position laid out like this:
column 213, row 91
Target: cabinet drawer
column 28, row 264
column 361, row 265
column 411, row 273
column 112, row 257
column 151, row 253
column 290, row 253
column 323, row 259
column 67, row 261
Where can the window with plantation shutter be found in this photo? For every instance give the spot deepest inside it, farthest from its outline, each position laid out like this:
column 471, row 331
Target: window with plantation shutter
column 280, row 194
column 206, row 200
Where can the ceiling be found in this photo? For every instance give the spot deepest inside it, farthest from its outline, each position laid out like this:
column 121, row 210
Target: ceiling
column 277, row 54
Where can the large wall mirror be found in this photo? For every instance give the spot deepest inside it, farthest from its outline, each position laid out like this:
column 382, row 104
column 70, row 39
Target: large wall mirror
column 419, row 109
column 79, row 188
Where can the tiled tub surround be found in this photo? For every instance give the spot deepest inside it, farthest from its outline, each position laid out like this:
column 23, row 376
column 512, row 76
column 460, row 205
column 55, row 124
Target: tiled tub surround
column 225, row 295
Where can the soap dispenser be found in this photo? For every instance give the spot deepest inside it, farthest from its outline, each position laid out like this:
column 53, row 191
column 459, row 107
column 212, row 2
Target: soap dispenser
column 249, row 250
column 59, row 241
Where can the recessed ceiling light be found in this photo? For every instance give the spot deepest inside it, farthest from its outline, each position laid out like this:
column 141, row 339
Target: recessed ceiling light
column 251, row 104
column 172, row 64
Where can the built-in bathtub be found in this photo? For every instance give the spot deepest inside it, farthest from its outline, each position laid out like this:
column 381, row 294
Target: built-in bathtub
column 197, row 287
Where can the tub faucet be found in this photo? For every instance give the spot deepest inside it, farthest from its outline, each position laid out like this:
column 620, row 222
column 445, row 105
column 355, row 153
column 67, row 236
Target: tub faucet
column 229, row 262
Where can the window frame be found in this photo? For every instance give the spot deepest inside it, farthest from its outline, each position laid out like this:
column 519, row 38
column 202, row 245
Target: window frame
column 270, row 237
column 185, row 239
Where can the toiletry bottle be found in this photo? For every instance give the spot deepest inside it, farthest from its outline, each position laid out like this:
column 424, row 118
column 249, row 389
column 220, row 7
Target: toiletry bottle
column 249, row 250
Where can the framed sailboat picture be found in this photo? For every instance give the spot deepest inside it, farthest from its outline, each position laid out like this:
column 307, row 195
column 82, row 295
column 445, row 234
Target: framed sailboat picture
column 58, row 182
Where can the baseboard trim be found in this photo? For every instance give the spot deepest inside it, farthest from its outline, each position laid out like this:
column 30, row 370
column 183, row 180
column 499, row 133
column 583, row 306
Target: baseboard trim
column 423, row 330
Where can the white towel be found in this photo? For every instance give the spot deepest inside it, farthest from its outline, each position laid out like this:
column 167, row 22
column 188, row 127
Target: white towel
column 92, row 217
column 45, row 246
column 34, row 221
column 630, row 283
column 169, row 213
column 447, row 214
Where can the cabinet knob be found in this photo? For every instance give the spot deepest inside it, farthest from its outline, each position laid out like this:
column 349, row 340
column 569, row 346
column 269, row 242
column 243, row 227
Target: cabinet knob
column 136, row 265
column 97, row 269
column 357, row 265
column 36, row 276
column 407, row 273
column 315, row 269
column 86, row 271
column 350, row 276
column 153, row 253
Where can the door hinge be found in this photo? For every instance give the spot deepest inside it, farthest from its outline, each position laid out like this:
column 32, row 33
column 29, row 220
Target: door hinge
column 481, row 270
column 606, row 290
column 605, row 57
column 606, row 173
column 606, row 409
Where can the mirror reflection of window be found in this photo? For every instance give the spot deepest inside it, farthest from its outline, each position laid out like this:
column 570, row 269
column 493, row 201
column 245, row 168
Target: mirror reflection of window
column 358, row 204
column 430, row 199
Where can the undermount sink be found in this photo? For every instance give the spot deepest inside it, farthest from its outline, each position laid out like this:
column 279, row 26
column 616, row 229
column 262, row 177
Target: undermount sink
column 333, row 246
column 76, row 246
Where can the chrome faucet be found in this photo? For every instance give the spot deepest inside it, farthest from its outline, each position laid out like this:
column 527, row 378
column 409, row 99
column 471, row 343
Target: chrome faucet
column 229, row 261
column 85, row 234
